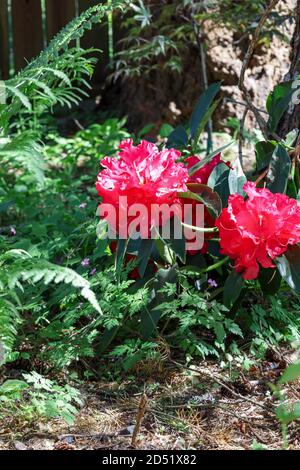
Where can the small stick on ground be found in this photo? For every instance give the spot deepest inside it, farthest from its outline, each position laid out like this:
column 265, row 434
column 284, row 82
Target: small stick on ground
column 139, row 418
column 224, row 385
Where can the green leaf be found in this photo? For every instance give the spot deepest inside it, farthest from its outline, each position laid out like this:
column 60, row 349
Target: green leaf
column 144, row 254
column 279, row 170
column 278, row 102
column 23, row 98
column 151, row 315
column 269, row 280
column 218, row 181
column 264, row 151
column 232, row 288
column 166, row 130
column 291, row 189
column 13, row 387
column 219, row 332
column 291, row 137
column 291, row 373
column 178, row 137
column 289, row 267
column 203, row 123
column 4, row 206
column 106, row 339
column 208, row 158
column 177, row 245
column 286, row 414
column 204, row 194
column 120, row 255
column 203, row 106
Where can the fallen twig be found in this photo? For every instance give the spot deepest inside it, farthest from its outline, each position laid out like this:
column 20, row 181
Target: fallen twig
column 223, row 384
column 139, row 418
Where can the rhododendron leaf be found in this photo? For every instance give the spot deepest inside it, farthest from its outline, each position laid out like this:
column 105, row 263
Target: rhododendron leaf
column 120, row 254
column 177, row 244
column 291, row 137
column 289, row 267
column 291, row 189
column 279, row 170
column 278, row 102
column 151, row 315
column 144, row 254
column 178, row 138
column 165, row 251
column 204, row 194
column 218, row 181
column 232, row 288
column 203, row 123
column 264, row 151
column 214, row 248
column 107, row 337
column 208, row 158
column 269, row 280
column 203, row 106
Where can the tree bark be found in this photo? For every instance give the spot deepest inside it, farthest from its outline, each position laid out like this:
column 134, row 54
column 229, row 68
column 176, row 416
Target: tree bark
column 291, row 118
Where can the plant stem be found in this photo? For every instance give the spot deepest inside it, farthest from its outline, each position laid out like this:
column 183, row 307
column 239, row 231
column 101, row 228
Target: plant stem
column 216, row 265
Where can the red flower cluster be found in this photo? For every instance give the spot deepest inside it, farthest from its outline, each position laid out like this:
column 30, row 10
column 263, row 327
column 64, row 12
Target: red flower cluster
column 144, row 175
column 258, row 229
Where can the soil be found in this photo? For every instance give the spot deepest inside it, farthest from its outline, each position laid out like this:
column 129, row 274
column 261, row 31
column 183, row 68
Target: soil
column 201, row 407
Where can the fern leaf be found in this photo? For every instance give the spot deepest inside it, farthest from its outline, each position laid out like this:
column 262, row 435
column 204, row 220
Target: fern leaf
column 48, row 272
column 21, row 96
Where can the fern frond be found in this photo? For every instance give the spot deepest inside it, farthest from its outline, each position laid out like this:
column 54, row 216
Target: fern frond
column 22, row 97
column 43, row 271
column 25, row 150
column 58, row 67
column 9, row 320
column 75, row 30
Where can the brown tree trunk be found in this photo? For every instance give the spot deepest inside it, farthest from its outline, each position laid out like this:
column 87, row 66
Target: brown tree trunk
column 291, row 119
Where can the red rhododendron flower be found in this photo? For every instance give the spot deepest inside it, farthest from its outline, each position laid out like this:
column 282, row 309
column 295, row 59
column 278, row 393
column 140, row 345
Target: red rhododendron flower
column 259, row 229
column 144, row 175
column 201, row 176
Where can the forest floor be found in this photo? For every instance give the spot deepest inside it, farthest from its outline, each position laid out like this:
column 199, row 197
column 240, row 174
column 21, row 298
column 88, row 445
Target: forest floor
column 171, row 408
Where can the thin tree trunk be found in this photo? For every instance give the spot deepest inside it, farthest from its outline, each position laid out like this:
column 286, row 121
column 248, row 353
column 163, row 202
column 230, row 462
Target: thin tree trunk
column 291, row 119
